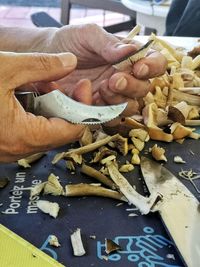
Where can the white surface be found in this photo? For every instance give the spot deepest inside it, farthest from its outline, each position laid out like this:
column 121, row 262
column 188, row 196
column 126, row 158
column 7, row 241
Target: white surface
column 148, row 14
column 144, row 7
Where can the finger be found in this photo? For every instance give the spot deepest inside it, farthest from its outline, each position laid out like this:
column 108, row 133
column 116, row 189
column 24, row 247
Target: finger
column 108, row 46
column 132, row 105
column 43, row 134
column 110, row 98
column 17, row 69
column 128, row 86
column 83, row 92
column 40, row 87
column 153, row 65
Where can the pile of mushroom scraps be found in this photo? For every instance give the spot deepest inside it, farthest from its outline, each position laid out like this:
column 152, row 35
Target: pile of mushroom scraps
column 173, row 102
column 174, row 99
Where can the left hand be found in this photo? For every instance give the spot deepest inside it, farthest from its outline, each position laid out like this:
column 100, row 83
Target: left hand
column 96, row 50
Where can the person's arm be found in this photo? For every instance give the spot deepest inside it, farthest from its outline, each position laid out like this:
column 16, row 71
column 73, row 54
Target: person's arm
column 18, row 39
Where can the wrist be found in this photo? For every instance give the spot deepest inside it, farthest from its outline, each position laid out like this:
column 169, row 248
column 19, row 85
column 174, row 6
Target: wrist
column 17, row 39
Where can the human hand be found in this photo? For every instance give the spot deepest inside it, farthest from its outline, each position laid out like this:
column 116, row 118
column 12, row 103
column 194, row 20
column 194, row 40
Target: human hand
column 23, row 133
column 96, row 50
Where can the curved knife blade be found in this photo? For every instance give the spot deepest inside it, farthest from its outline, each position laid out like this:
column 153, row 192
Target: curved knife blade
column 56, row 104
column 179, row 210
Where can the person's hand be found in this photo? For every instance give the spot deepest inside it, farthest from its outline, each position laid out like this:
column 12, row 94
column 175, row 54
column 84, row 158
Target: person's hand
column 23, row 133
column 96, row 50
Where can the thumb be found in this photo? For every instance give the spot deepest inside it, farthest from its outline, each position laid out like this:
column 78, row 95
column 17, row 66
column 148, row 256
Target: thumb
column 17, row 69
column 56, row 132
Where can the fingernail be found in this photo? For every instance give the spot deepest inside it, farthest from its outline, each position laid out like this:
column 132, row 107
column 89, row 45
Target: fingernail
column 68, row 59
column 143, row 70
column 121, row 84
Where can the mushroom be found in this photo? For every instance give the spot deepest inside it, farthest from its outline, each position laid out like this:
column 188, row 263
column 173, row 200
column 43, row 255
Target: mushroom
column 111, row 246
column 126, row 168
column 138, row 143
column 187, row 62
column 159, row 98
column 53, row 186
column 159, row 135
column 123, row 127
column 30, row 159
column 70, row 165
column 195, row 136
column 82, row 189
column 176, row 115
column 184, row 108
column 177, row 81
column 77, row 243
column 85, row 149
column 87, row 137
column 190, row 99
column 52, row 208
column 178, row 159
column 162, row 117
column 135, row 160
column 91, row 172
column 142, row 203
column 149, row 115
column 140, row 134
column 53, row 241
column 193, row 113
column 103, row 151
column 179, row 131
column 158, row 153
column 121, row 143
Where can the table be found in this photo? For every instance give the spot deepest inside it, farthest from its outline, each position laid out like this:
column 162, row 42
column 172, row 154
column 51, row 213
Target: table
column 143, row 239
column 148, row 14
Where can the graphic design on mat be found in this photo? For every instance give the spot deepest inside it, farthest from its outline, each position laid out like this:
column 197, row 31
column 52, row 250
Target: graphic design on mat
column 143, row 250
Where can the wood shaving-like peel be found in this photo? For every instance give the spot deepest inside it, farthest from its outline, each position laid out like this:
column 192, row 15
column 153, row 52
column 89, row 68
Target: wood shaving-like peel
column 52, row 208
column 77, row 243
column 178, row 159
column 142, row 203
column 53, row 186
column 30, row 159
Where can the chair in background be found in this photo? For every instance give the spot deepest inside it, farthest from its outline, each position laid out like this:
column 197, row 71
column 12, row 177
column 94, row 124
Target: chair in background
column 42, row 19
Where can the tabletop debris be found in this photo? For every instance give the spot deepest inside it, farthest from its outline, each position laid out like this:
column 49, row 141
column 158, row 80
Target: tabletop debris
column 77, row 243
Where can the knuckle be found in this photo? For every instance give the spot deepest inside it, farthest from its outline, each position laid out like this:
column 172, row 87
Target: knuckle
column 92, row 26
column 45, row 62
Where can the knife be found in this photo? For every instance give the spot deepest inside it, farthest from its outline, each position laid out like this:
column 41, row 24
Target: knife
column 179, row 210
column 57, row 104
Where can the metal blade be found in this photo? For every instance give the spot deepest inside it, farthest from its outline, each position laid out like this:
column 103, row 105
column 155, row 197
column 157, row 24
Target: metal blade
column 56, row 104
column 179, row 210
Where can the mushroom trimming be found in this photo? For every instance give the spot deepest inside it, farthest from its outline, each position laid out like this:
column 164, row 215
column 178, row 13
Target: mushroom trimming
column 144, row 204
column 77, row 243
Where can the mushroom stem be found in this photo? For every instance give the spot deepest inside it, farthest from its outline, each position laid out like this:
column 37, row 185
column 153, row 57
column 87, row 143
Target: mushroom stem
column 97, row 175
column 85, row 149
column 28, row 160
column 74, row 190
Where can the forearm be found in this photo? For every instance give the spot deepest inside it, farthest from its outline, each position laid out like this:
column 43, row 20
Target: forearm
column 19, row 39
